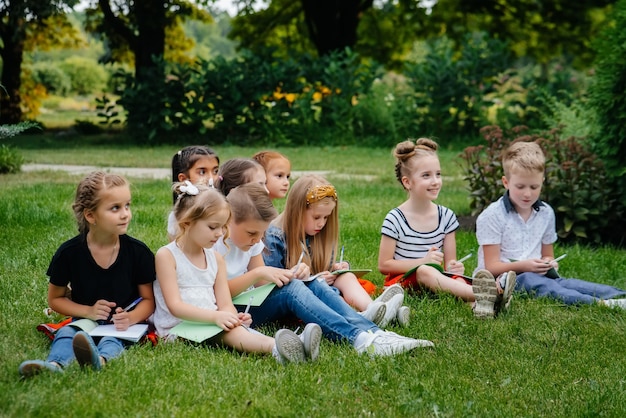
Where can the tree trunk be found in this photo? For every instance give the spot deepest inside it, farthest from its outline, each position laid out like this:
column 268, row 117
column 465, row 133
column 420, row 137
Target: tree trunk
column 150, row 40
column 12, row 55
column 333, row 24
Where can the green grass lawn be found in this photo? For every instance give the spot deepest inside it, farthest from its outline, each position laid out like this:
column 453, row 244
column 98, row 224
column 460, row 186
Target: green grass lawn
column 540, row 359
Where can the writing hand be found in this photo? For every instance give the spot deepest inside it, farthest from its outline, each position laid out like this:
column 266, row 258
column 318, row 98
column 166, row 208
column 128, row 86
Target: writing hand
column 245, row 319
column 121, row 319
column 434, row 256
column 101, row 310
column 456, row 267
column 227, row 320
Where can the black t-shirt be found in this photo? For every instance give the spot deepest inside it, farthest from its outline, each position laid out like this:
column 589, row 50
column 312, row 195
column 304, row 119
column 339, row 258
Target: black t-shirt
column 73, row 264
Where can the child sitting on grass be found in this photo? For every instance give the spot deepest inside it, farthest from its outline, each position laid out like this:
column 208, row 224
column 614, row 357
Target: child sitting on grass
column 421, row 233
column 107, row 270
column 517, row 232
column 191, row 280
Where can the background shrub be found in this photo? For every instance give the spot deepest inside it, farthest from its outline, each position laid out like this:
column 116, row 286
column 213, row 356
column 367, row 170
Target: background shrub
column 52, row 77
column 85, row 75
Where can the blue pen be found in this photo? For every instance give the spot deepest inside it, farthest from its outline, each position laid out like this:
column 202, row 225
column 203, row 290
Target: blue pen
column 133, row 304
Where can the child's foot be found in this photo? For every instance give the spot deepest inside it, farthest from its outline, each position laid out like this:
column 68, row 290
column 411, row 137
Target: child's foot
column 86, row 351
column 31, row 368
column 289, row 347
column 375, row 312
column 385, row 343
column 506, row 284
column 311, row 338
column 485, row 293
column 615, row 303
column 403, row 316
column 389, row 292
column 392, row 309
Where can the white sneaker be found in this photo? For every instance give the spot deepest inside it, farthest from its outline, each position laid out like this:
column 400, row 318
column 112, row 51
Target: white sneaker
column 506, row 281
column 388, row 344
column 485, row 293
column 289, row 347
column 392, row 309
column 311, row 338
column 389, row 292
column 403, row 316
column 616, row 303
column 375, row 312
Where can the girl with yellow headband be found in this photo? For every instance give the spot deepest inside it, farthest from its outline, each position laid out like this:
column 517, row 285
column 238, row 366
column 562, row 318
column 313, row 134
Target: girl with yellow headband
column 306, row 235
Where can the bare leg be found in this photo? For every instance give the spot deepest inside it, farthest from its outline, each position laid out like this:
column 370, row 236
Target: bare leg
column 432, row 279
column 352, row 291
column 242, row 340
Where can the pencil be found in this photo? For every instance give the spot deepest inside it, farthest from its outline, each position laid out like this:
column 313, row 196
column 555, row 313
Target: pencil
column 299, row 260
column 248, row 306
column 464, row 258
column 556, row 260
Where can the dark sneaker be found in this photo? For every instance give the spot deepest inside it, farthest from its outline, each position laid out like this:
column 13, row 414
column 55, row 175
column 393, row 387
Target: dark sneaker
column 86, row 351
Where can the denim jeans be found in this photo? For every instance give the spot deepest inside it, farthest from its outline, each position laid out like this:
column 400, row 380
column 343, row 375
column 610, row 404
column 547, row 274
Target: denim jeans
column 62, row 352
column 569, row 291
column 313, row 302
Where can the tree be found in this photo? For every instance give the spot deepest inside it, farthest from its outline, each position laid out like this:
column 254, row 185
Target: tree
column 330, row 25
column 139, row 28
column 18, row 21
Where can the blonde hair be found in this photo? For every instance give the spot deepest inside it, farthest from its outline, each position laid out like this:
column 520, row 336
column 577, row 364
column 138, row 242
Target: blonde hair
column 89, row 195
column 190, row 208
column 266, row 158
column 251, row 202
column 324, row 244
column 408, row 152
column 523, row 156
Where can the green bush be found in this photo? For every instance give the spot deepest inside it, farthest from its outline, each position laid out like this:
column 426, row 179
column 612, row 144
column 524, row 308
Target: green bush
column 10, row 160
column 576, row 183
column 86, row 75
column 608, row 96
column 52, row 77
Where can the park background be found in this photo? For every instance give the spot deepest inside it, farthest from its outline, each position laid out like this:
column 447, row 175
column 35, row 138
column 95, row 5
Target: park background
column 334, row 86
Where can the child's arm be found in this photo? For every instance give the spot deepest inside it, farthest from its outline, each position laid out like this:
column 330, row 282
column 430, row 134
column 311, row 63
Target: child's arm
column 258, row 273
column 228, row 317
column 65, row 306
column 497, row 267
column 387, row 265
column 166, row 276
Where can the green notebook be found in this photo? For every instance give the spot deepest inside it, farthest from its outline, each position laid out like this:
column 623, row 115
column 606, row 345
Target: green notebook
column 438, row 267
column 258, row 295
column 195, row 331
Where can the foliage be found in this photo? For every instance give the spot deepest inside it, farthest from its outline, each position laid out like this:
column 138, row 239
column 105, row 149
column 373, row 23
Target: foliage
column 576, row 183
column 608, row 96
column 449, row 89
column 85, row 75
column 52, row 77
column 11, row 159
column 107, row 111
column 253, row 99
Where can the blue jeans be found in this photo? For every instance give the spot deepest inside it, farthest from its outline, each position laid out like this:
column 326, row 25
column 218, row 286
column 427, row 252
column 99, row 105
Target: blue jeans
column 313, row 302
column 62, row 352
column 569, row 291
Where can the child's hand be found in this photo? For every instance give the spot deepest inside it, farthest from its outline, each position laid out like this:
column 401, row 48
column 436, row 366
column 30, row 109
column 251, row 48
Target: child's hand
column 275, row 275
column 121, row 319
column 301, row 271
column 327, row 277
column 455, row 267
column 101, row 310
column 344, row 265
column 537, row 265
column 227, row 320
column 245, row 319
column 434, row 256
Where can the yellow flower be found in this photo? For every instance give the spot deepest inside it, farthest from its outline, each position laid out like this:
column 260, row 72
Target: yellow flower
column 317, row 96
column 290, row 97
column 354, row 100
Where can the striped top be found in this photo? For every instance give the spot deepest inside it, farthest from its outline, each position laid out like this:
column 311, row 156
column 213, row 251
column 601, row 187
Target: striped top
column 412, row 244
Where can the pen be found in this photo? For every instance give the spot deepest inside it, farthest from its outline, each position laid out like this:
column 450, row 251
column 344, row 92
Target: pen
column 464, row 258
column 556, row 260
column 341, row 256
column 133, row 304
column 299, row 260
column 249, row 303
